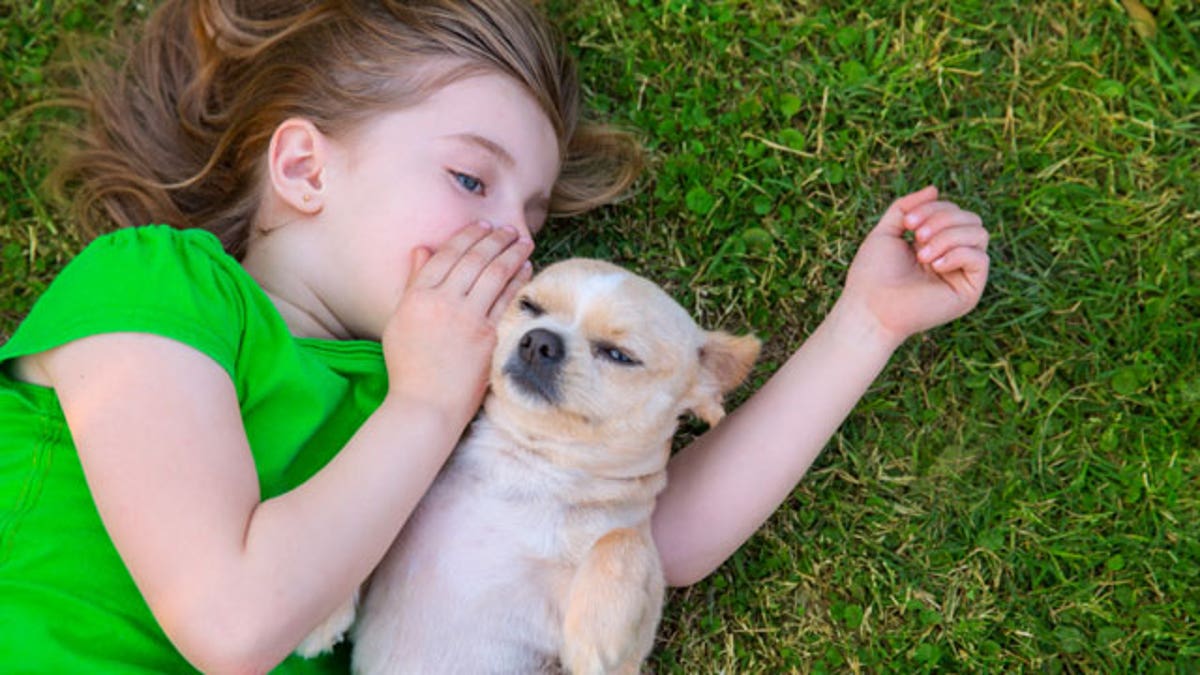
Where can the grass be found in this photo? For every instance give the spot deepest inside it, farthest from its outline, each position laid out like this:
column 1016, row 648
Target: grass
column 1020, row 490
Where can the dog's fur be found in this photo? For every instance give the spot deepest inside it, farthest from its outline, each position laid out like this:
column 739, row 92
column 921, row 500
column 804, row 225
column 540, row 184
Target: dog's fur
column 532, row 552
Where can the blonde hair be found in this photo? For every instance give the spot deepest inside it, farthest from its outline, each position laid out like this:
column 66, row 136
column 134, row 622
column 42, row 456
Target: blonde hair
column 176, row 132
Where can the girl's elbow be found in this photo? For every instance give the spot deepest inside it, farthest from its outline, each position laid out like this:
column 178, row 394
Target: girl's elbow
column 225, row 642
column 679, row 573
column 684, row 579
column 227, row 654
column 683, row 562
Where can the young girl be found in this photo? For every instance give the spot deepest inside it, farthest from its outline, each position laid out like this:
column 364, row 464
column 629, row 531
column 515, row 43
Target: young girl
column 212, row 430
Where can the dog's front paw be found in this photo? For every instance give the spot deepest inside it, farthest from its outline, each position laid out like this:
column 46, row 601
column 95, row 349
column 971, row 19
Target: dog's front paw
column 584, row 660
column 613, row 606
column 324, row 637
column 592, row 659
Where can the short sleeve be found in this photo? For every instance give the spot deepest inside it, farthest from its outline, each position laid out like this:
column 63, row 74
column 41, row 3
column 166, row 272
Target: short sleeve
column 178, row 284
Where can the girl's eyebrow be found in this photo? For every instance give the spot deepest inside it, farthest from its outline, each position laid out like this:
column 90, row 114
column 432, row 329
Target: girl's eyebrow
column 487, row 144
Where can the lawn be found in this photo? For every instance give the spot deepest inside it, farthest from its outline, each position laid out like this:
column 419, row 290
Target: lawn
column 1020, row 490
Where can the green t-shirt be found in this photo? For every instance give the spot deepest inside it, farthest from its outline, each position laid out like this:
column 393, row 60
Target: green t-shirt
column 67, row 603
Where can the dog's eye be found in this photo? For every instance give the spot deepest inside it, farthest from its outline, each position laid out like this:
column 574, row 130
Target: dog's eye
column 531, row 307
column 615, row 355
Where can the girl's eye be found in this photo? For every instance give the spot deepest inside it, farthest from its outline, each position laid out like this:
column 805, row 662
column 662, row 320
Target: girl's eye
column 615, row 355
column 468, row 182
column 532, row 308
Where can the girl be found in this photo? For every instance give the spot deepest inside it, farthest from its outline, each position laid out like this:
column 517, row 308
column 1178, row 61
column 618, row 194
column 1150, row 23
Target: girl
column 212, row 430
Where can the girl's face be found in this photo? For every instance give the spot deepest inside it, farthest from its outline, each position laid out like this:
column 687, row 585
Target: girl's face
column 477, row 149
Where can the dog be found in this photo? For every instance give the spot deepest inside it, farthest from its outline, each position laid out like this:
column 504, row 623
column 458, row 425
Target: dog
column 532, row 550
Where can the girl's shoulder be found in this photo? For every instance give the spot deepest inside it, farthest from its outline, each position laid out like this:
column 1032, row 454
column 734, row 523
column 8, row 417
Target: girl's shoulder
column 135, row 255
column 152, row 249
column 155, row 279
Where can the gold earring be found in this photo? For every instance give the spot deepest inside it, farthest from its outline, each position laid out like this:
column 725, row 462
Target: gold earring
column 307, row 198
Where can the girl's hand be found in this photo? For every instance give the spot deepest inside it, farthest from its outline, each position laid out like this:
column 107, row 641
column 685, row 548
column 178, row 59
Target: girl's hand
column 438, row 344
column 911, row 287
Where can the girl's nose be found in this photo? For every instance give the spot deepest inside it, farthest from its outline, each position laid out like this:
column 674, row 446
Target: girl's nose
column 513, row 218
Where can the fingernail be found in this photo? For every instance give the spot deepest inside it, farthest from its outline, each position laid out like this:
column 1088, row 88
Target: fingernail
column 912, row 219
column 486, row 225
column 940, row 262
column 923, row 233
column 924, row 253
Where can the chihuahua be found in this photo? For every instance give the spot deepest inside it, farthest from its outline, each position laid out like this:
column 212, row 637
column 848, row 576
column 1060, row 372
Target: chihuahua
column 532, row 551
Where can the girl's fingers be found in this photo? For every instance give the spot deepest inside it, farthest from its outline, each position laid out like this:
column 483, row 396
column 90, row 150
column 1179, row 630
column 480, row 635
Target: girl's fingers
column 511, row 289
column 971, row 236
column 478, row 259
column 420, row 256
column 439, row 265
column 970, row 264
column 914, row 199
column 493, row 280
column 892, row 222
column 928, row 218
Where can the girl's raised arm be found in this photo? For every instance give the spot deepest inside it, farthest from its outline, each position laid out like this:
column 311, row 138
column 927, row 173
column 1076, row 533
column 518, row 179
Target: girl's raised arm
column 724, row 485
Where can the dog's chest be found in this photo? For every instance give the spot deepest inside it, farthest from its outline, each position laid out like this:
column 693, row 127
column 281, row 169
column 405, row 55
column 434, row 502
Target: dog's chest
column 490, row 553
column 510, row 503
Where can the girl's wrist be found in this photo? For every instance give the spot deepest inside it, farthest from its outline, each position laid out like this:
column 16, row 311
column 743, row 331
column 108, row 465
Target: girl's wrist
column 856, row 326
column 422, row 410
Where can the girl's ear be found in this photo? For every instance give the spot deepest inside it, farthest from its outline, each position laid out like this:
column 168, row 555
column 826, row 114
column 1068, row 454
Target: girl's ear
column 725, row 361
column 296, row 161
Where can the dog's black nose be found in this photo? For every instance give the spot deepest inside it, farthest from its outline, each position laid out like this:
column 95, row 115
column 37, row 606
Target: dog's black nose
column 541, row 347
column 535, row 365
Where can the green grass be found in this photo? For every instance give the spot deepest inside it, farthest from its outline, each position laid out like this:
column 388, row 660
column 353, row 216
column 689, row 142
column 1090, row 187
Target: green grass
column 1020, row 490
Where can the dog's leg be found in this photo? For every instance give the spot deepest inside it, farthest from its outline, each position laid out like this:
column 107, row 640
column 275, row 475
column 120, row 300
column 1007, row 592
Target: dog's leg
column 325, row 636
column 613, row 606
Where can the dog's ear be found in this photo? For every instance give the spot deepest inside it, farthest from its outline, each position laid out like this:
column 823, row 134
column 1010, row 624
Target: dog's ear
column 725, row 361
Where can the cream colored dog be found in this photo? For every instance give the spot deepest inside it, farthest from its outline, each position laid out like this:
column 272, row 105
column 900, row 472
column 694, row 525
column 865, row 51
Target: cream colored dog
column 532, row 551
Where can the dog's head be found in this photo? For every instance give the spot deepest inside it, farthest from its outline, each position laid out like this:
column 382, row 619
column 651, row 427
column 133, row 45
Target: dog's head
column 593, row 356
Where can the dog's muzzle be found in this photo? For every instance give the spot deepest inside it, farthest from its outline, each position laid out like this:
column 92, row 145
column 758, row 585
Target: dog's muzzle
column 536, row 364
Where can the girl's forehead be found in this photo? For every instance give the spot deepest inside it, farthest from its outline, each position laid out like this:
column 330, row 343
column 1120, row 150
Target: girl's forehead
column 488, row 106
column 497, row 114
column 487, row 96
column 482, row 115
